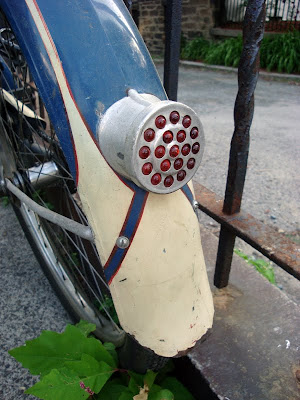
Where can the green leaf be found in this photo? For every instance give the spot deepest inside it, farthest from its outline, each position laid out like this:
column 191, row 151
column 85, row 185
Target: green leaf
column 85, row 327
column 5, row 201
column 111, row 348
column 154, row 390
column 51, row 350
column 59, row 385
column 149, row 378
column 112, row 390
column 88, row 366
column 126, row 395
column 66, row 383
column 163, row 394
column 138, row 378
column 180, row 392
column 133, row 387
column 267, row 272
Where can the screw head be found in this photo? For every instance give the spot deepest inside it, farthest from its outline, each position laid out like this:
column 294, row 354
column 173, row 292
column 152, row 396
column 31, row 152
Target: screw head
column 122, row 242
column 195, row 205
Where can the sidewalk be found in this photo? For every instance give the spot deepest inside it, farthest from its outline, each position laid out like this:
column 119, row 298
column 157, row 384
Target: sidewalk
column 253, row 350
column 221, row 68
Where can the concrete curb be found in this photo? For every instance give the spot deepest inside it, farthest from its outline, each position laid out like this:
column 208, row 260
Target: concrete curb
column 196, row 64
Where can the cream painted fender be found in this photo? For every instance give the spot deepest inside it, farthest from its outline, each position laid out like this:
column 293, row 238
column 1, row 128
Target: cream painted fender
column 161, row 291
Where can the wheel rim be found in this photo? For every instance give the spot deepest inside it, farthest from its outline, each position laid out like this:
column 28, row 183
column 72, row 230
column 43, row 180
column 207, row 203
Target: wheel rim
column 73, row 262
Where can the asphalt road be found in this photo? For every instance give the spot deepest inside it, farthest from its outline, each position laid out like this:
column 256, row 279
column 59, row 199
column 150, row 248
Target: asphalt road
column 27, row 303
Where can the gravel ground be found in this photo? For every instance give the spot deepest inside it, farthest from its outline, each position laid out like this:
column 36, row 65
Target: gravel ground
column 27, row 305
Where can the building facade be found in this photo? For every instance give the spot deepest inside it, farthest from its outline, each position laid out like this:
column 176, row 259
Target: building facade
column 149, row 15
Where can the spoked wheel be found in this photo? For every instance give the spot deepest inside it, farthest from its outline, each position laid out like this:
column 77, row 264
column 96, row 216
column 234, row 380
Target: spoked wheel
column 70, row 262
column 31, row 156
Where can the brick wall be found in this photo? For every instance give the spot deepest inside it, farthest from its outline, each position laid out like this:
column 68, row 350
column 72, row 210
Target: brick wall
column 197, row 20
column 151, row 24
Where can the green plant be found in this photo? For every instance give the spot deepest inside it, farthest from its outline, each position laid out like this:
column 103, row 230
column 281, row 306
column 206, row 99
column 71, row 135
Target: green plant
column 5, row 201
column 39, row 196
column 75, row 366
column 195, row 49
column 226, row 52
column 263, row 267
column 278, row 53
column 108, row 304
column 281, row 52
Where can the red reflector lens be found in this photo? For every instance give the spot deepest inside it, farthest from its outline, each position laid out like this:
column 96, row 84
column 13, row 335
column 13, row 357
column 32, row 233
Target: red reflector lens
column 156, row 178
column 181, row 175
column 181, row 136
column 186, row 122
column 194, row 133
column 174, row 151
column 174, row 117
column 160, row 151
column 186, row 149
column 160, row 122
column 144, row 152
column 178, row 163
column 168, row 137
column 196, row 148
column 169, row 181
column 147, row 168
column 191, row 163
column 165, row 165
column 149, row 135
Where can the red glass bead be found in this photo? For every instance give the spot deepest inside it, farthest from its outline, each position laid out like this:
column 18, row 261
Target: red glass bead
column 186, row 149
column 155, row 180
column 174, row 117
column 196, row 148
column 191, row 163
column 168, row 137
column 149, row 135
column 160, row 151
column 181, row 136
column 144, row 152
column 169, row 181
column 186, row 122
column 174, row 151
column 160, row 122
column 147, row 168
column 194, row 133
column 178, row 163
column 165, row 165
column 181, row 175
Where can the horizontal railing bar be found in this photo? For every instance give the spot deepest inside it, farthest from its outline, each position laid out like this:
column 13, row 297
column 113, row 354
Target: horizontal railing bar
column 262, row 237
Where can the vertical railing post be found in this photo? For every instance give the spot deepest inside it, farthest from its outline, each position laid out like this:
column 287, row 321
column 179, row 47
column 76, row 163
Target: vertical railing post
column 172, row 47
column 243, row 113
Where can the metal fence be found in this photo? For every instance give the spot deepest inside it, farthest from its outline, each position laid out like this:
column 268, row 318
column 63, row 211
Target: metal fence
column 234, row 222
column 281, row 15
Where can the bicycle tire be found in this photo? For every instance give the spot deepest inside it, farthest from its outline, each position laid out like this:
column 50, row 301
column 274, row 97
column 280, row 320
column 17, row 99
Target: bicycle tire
column 71, row 264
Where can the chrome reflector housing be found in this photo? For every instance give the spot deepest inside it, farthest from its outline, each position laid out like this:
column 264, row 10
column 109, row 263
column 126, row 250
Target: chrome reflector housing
column 156, row 144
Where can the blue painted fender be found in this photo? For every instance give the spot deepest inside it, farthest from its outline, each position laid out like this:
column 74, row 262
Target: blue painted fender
column 101, row 51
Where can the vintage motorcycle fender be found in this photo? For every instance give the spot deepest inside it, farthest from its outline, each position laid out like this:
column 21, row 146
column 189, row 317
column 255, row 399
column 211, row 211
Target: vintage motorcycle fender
column 158, row 282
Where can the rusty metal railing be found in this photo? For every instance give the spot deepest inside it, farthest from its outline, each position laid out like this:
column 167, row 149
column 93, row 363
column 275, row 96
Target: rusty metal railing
column 227, row 212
